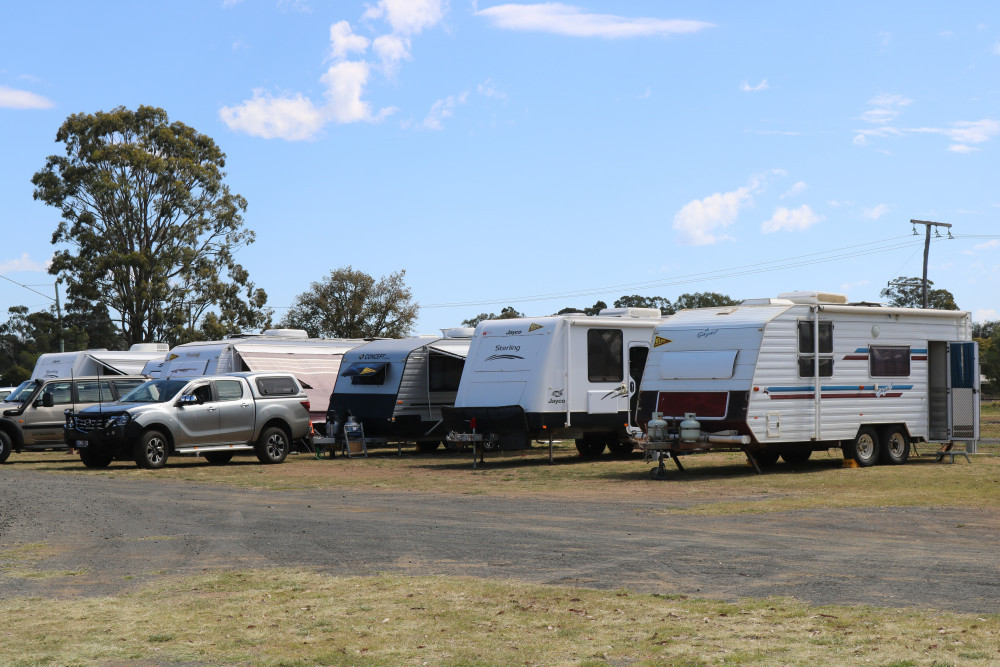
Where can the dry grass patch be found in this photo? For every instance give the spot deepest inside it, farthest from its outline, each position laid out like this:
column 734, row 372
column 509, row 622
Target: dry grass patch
column 718, row 483
column 304, row 618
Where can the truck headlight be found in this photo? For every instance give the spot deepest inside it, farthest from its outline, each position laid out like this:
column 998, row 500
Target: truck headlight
column 118, row 420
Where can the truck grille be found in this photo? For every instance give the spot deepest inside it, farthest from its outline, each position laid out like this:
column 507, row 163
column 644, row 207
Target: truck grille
column 88, row 423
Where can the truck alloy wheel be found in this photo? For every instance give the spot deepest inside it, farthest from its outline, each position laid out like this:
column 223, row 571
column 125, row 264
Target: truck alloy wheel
column 150, row 451
column 272, row 446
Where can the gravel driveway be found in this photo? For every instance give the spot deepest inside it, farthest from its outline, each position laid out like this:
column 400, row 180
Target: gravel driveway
column 120, row 534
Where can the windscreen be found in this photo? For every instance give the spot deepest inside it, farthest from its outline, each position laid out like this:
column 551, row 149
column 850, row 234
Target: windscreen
column 22, row 392
column 154, row 391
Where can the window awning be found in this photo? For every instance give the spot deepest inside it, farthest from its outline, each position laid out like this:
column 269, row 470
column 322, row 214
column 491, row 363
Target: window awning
column 364, row 369
column 698, row 365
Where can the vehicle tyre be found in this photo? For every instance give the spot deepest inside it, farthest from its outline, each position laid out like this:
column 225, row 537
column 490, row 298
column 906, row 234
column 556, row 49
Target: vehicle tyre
column 96, row 457
column 151, row 450
column 591, row 445
column 800, row 455
column 894, row 446
column 5, row 446
column 620, row 449
column 766, row 458
column 218, row 458
column 864, row 448
column 272, row 446
column 428, row 447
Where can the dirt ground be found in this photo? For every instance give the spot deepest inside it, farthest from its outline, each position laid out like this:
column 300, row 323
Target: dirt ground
column 85, row 534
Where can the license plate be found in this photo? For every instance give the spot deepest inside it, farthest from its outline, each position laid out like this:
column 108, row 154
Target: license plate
column 82, row 443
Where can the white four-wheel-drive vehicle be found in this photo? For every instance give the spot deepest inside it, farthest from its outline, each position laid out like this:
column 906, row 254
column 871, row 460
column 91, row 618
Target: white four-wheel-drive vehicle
column 215, row 417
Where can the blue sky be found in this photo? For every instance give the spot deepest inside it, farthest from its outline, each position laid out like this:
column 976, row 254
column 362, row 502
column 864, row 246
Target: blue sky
column 544, row 155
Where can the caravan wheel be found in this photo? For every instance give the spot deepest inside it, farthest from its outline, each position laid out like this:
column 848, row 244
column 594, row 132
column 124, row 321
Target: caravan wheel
column 894, row 448
column 864, row 448
column 796, row 455
column 766, row 458
column 591, row 445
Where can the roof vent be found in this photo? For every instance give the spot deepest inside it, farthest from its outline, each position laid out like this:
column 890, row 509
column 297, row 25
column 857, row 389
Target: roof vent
column 633, row 313
column 814, row 297
column 767, row 302
column 286, row 333
column 458, row 332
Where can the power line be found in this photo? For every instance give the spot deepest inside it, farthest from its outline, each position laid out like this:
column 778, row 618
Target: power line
column 846, row 252
column 26, row 287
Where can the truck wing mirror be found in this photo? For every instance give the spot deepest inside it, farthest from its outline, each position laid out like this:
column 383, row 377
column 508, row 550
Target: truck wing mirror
column 47, row 400
column 188, row 399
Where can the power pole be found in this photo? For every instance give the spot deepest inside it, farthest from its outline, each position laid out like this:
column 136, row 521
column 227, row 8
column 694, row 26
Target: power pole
column 927, row 245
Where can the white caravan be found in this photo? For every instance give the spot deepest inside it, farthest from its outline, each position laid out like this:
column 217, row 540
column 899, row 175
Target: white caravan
column 98, row 362
column 887, row 377
column 396, row 388
column 562, row 376
column 315, row 362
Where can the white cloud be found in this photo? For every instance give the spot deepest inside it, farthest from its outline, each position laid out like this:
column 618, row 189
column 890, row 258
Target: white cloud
column 701, row 221
column 487, row 89
column 293, row 118
column 392, row 49
column 964, row 133
column 796, row 189
column 885, row 108
column 11, row 98
column 791, row 220
column 443, row 109
column 23, row 263
column 345, row 83
column 989, row 245
column 996, row 48
column 408, row 17
column 747, row 88
column 985, row 315
column 561, row 19
column 875, row 213
column 296, row 117
column 343, row 41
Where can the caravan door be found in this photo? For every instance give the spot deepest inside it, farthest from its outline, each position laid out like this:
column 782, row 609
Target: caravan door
column 963, row 393
column 637, row 354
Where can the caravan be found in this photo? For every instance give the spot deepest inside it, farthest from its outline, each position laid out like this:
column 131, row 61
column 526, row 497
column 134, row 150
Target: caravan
column 809, row 371
column 563, row 376
column 395, row 389
column 315, row 362
column 98, row 362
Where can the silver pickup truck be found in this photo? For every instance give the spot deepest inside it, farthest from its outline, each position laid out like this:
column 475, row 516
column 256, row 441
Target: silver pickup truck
column 214, row 417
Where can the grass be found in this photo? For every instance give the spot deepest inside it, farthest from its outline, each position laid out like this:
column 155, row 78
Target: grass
column 716, row 483
column 294, row 617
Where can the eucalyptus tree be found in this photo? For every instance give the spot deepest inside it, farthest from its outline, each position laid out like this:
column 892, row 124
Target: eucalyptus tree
column 148, row 228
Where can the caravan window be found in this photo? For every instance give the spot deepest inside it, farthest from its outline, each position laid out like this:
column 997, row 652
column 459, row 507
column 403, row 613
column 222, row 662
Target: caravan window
column 807, row 369
column 604, row 355
column 807, row 349
column 445, row 372
column 889, row 361
column 806, row 344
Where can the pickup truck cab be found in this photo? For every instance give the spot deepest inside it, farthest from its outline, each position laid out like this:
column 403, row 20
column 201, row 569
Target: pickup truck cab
column 215, row 417
column 32, row 416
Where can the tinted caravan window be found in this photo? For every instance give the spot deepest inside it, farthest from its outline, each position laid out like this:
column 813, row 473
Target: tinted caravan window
column 604, row 355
